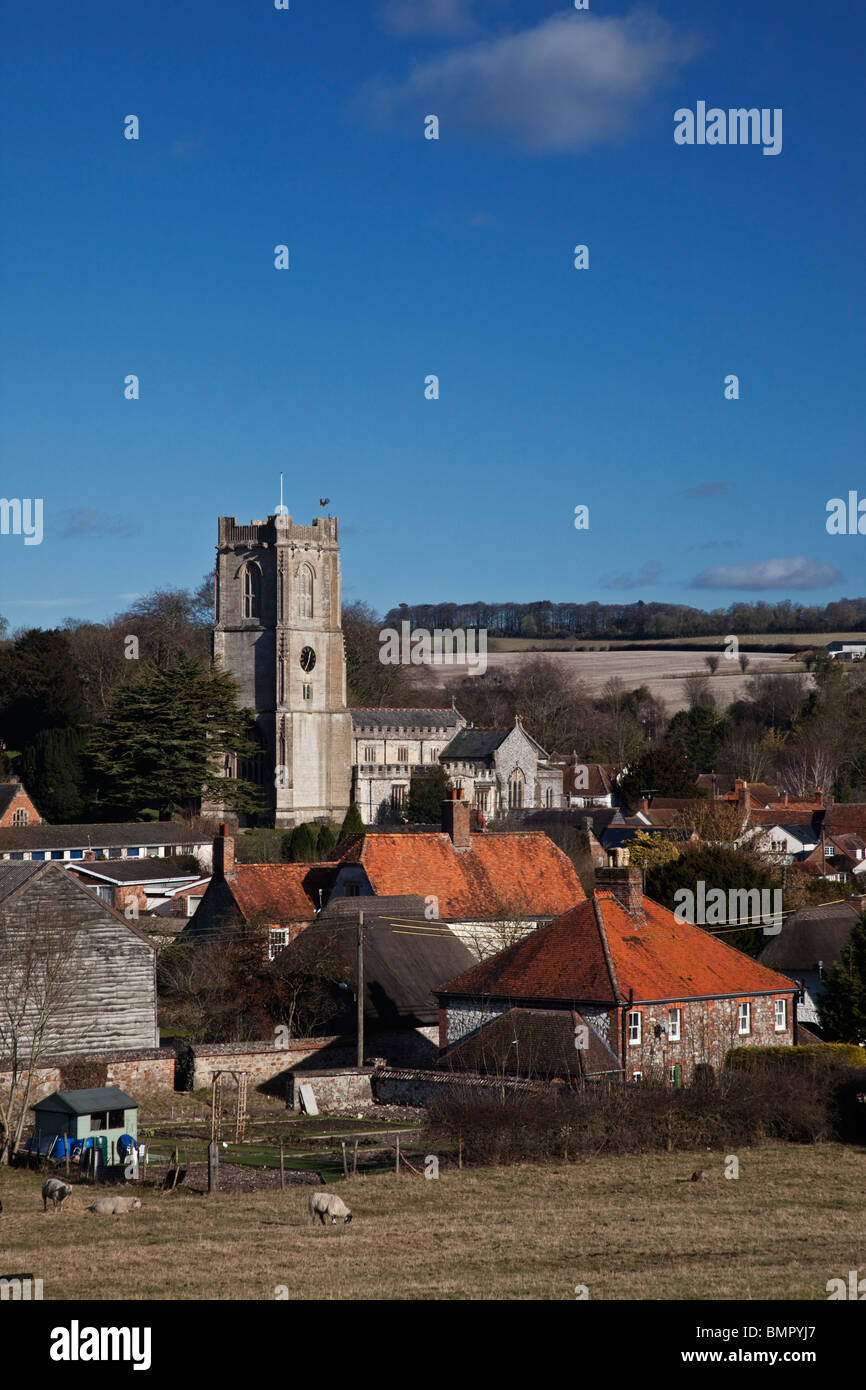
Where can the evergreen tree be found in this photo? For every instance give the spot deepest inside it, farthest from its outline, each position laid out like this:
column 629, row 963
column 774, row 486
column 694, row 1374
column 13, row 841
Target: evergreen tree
column 52, row 770
column 327, row 840
column 664, row 771
column 165, row 741
column 427, row 791
column 718, row 868
column 843, row 1008
column 39, row 687
column 352, row 822
column 303, row 847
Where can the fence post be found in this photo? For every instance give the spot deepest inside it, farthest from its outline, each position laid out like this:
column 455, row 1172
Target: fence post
column 345, row 1164
column 282, row 1165
column 397, row 1165
column 213, row 1167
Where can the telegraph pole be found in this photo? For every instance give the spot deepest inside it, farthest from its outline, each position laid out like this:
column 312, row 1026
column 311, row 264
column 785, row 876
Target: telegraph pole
column 360, row 1061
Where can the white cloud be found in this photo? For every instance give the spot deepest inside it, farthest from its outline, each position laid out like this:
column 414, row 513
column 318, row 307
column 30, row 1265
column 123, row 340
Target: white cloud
column 792, row 572
column 572, row 81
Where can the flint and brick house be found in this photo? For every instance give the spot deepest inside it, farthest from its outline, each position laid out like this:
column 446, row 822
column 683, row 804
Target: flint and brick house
column 664, row 996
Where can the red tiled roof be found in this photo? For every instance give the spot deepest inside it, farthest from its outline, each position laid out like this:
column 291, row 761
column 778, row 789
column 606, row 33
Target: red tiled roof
column 521, row 869
column 268, row 893
column 656, row 957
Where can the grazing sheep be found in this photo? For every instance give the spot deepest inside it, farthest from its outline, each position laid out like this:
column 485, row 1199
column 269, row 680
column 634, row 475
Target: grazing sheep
column 55, row 1192
column 324, row 1204
column 115, row 1206
column 700, row 1176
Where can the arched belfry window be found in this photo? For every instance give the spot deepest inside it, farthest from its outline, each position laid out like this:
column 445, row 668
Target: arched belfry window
column 305, row 592
column 252, row 591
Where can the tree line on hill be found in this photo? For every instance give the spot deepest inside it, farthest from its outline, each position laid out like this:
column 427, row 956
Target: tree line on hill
column 638, row 621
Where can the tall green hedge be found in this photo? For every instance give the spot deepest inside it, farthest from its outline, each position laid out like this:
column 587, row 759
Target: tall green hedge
column 837, row 1054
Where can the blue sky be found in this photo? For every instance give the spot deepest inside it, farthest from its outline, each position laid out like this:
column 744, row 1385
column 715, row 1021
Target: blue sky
column 455, row 257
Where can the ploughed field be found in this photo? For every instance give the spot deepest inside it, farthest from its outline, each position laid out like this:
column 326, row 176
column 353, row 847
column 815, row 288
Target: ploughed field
column 626, row 1228
column 663, row 672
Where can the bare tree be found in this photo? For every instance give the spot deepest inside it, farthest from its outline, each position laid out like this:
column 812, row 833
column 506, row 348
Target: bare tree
column 712, row 664
column 805, row 768
column 745, row 662
column 697, row 690
column 38, row 983
column 713, row 822
column 512, row 920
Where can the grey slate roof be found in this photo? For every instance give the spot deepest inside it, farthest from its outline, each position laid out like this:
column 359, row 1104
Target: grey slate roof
column 812, row 934
column 471, row 745
column 113, row 835
column 13, row 875
column 545, row 1046
column 428, row 719
column 141, row 870
column 84, row 1102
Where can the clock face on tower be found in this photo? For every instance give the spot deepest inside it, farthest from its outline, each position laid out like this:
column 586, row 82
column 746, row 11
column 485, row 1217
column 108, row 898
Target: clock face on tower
column 308, row 659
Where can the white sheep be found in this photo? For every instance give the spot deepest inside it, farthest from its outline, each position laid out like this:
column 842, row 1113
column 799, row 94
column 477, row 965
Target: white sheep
column 115, row 1206
column 55, row 1192
column 324, row 1204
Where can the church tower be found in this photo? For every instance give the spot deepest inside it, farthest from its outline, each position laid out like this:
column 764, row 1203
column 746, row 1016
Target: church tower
column 278, row 631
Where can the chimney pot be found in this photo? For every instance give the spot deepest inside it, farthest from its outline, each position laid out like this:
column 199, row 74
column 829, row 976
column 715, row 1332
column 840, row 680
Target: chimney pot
column 626, row 885
column 455, row 818
column 223, row 852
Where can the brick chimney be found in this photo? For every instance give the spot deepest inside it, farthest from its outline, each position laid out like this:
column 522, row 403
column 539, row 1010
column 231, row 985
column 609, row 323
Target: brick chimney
column 455, row 818
column 643, row 805
column 626, row 884
column 223, row 852
column 819, row 797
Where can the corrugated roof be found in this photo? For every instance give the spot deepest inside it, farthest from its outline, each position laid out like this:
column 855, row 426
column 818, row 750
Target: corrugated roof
column 656, row 957
column 520, row 869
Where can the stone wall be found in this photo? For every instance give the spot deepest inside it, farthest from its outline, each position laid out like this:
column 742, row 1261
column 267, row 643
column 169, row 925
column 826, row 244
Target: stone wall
column 708, row 1030
column 332, row 1089
column 266, row 1064
column 149, row 1070
column 398, row 1086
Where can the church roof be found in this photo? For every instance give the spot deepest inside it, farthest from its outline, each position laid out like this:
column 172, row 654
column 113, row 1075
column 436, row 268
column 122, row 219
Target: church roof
column 405, row 719
column 471, row 744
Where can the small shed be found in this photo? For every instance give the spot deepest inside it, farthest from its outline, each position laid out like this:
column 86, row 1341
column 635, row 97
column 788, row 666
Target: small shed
column 101, row 1114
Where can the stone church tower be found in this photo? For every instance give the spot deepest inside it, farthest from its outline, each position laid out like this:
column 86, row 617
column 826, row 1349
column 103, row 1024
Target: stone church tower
column 278, row 630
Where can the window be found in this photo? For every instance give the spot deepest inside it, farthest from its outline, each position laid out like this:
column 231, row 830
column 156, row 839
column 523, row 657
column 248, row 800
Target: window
column 37, row 854
column 402, row 755
column 781, row 1013
column 21, row 817
column 305, row 592
column 76, row 854
column 399, row 798
column 57, row 854
column 515, row 790
column 252, row 591
column 369, row 755
column 133, row 853
column 633, row 1029
column 307, row 692
column 829, row 851
column 481, row 799
column 434, row 755
column 353, row 890
column 105, row 892
column 97, row 1122
column 744, row 1024
column 278, row 937
column 115, row 1119
column 548, row 797
column 674, row 1025
column 115, row 853
column 637, row 1076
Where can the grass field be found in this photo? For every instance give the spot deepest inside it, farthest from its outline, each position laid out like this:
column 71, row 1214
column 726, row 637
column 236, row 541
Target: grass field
column 626, row 1228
